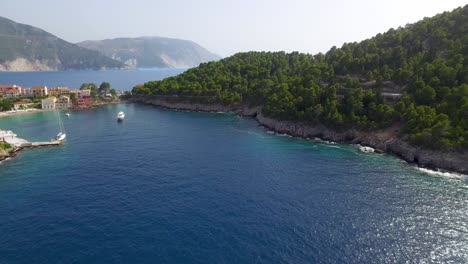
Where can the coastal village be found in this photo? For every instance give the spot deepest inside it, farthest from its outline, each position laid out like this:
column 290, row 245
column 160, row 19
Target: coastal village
column 15, row 99
column 42, row 97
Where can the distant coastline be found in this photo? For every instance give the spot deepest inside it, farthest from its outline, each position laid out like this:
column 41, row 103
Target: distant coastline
column 381, row 140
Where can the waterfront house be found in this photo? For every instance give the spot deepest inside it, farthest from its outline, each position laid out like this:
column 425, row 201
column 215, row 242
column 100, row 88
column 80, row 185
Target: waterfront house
column 40, row 91
column 6, row 87
column 21, row 105
column 26, row 92
column 49, row 103
column 84, row 93
column 12, row 92
column 82, row 102
column 57, row 91
column 63, row 102
column 81, row 93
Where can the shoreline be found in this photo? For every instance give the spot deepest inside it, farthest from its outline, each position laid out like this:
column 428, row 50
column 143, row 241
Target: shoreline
column 11, row 152
column 384, row 141
column 22, row 112
column 35, row 110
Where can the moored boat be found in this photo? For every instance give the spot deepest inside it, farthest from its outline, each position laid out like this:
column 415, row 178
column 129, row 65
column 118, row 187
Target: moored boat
column 120, row 116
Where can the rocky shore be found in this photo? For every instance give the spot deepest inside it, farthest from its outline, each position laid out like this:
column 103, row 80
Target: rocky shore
column 383, row 140
column 7, row 153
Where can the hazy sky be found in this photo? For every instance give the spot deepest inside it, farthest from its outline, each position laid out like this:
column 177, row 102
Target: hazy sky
column 226, row 27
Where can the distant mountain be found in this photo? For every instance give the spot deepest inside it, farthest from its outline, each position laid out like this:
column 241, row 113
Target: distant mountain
column 27, row 48
column 145, row 52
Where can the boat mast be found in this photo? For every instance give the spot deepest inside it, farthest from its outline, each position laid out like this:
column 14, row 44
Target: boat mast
column 61, row 126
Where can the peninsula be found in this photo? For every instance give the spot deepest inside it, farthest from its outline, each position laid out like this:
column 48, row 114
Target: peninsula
column 404, row 91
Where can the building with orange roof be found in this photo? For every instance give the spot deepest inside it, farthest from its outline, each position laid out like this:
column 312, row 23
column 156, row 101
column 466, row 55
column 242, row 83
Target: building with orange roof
column 39, row 91
column 21, row 105
column 59, row 91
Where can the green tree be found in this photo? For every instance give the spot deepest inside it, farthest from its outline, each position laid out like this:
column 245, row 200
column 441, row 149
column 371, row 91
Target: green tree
column 104, row 88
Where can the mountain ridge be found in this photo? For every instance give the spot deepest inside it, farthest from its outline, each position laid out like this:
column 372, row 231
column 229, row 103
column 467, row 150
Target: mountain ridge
column 152, row 51
column 25, row 47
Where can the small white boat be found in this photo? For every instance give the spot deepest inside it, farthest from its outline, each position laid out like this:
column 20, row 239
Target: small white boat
column 67, row 114
column 120, row 116
column 60, row 136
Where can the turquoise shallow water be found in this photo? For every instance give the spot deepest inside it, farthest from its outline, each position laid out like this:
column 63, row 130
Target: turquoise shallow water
column 178, row 187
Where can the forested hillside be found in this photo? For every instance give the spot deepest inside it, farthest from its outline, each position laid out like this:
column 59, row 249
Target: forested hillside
column 415, row 77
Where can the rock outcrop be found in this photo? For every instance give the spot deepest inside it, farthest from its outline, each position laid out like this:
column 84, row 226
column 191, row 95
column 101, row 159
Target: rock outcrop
column 6, row 153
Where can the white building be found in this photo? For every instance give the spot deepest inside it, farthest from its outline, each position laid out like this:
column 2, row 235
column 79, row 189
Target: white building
column 49, row 103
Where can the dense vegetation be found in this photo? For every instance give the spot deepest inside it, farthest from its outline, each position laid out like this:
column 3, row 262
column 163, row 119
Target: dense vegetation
column 4, row 145
column 416, row 76
column 7, row 104
column 100, row 92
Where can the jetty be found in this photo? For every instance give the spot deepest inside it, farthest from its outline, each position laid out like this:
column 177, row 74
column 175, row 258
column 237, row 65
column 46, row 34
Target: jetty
column 12, row 139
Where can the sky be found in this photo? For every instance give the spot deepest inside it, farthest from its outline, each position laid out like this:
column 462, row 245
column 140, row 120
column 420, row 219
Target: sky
column 226, row 27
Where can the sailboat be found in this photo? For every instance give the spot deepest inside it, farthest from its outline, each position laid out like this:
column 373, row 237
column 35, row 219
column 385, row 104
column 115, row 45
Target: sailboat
column 61, row 135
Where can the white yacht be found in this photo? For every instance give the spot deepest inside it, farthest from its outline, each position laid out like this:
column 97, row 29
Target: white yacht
column 60, row 136
column 120, row 116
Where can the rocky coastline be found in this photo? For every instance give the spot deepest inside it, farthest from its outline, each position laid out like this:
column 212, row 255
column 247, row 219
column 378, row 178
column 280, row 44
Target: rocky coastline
column 381, row 140
column 7, row 153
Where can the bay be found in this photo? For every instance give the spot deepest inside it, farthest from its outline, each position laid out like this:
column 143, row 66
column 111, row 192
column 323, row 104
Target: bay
column 119, row 79
column 169, row 186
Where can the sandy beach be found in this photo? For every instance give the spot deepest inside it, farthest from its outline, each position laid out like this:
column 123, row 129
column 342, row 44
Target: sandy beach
column 20, row 112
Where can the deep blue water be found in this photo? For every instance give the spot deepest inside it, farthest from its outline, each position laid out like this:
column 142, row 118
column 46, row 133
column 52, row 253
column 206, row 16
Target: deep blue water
column 176, row 187
column 119, row 79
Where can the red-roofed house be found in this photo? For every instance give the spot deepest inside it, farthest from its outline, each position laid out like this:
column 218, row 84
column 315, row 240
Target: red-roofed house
column 12, row 92
column 59, row 91
column 21, row 105
column 5, row 87
column 26, row 92
column 39, row 91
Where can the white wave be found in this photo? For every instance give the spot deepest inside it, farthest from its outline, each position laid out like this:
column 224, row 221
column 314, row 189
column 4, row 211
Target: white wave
column 270, row 132
column 333, row 146
column 366, row 149
column 7, row 159
column 324, row 141
column 445, row 174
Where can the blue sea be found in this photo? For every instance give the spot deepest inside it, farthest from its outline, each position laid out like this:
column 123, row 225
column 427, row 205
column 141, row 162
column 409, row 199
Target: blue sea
column 167, row 186
column 119, row 79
